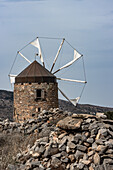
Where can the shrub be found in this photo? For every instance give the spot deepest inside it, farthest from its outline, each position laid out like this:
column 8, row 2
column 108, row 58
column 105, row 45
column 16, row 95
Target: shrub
column 109, row 115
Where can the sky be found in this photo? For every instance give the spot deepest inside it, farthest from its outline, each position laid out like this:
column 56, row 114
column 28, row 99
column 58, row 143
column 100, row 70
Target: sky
column 86, row 24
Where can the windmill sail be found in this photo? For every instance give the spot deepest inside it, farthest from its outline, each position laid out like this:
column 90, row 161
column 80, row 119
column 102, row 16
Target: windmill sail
column 12, row 78
column 36, row 44
column 24, row 57
column 77, row 81
column 75, row 58
column 73, row 101
column 57, row 55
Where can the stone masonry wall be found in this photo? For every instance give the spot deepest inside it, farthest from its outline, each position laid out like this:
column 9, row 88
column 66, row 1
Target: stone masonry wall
column 25, row 103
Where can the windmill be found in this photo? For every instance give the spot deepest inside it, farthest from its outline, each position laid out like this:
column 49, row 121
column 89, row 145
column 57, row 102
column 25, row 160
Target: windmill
column 76, row 56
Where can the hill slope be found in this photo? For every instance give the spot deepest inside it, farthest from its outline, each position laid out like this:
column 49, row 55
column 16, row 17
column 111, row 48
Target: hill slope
column 6, row 106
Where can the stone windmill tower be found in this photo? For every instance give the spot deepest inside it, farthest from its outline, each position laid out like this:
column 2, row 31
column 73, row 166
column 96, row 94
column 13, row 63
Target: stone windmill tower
column 35, row 89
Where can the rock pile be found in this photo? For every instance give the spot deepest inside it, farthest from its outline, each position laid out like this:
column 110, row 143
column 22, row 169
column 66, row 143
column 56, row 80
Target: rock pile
column 73, row 143
column 44, row 123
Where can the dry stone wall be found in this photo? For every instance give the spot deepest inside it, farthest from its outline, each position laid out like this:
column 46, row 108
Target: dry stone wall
column 25, row 104
column 74, row 142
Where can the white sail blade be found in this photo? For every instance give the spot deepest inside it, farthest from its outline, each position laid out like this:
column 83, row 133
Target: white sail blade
column 73, row 101
column 76, row 54
column 76, row 57
column 36, row 44
column 78, row 81
column 24, row 57
column 12, row 78
column 57, row 55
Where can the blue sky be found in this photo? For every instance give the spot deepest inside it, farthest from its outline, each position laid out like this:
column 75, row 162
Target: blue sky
column 86, row 24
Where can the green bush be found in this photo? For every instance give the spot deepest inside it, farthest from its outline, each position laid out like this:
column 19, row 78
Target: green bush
column 109, row 115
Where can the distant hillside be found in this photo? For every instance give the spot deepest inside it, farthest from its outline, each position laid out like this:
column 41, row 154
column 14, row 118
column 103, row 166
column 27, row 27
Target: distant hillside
column 6, row 106
column 83, row 108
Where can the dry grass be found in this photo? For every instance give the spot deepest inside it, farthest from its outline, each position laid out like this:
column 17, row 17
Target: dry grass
column 10, row 145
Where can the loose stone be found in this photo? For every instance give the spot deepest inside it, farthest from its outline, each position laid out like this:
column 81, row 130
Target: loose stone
column 96, row 159
column 81, row 148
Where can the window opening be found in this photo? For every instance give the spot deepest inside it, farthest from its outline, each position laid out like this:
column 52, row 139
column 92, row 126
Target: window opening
column 38, row 93
column 38, row 109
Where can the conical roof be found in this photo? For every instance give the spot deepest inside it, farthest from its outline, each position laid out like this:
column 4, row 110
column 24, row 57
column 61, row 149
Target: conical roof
column 35, row 72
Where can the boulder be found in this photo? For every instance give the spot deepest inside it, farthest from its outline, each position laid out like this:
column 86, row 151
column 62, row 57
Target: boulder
column 101, row 115
column 70, row 123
